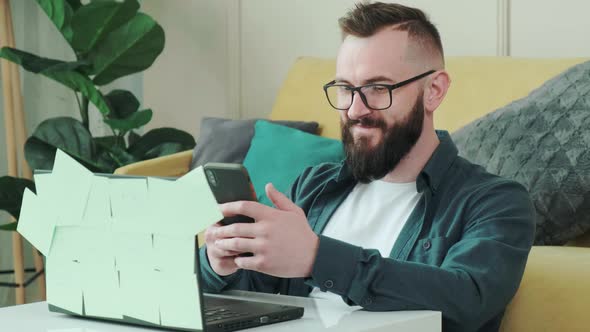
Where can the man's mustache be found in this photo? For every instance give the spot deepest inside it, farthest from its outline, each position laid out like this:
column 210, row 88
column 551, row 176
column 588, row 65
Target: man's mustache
column 367, row 122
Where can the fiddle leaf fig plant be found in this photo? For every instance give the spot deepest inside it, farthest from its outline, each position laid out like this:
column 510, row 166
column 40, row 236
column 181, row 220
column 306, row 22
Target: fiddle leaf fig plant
column 110, row 39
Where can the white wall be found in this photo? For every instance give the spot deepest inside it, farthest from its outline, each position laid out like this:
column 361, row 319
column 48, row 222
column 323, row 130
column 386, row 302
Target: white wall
column 273, row 34
column 550, row 28
column 190, row 79
column 466, row 27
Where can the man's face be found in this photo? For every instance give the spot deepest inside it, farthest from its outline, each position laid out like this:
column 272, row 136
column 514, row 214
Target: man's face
column 369, row 162
column 375, row 141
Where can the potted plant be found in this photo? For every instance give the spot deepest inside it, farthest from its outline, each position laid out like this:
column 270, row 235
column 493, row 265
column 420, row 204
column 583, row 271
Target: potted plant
column 110, row 39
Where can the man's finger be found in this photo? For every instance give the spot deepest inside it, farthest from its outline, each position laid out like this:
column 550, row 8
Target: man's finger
column 225, row 253
column 253, row 263
column 281, row 201
column 221, row 253
column 227, row 264
column 240, row 229
column 238, row 244
column 210, row 232
column 247, row 208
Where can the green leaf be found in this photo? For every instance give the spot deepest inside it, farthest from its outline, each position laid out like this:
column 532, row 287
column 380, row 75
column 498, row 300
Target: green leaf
column 121, row 157
column 133, row 137
column 158, row 136
column 39, row 155
column 37, row 64
column 105, row 141
column 43, row 155
column 129, row 49
column 11, row 193
column 111, row 154
column 164, row 149
column 62, row 72
column 96, row 20
column 105, row 161
column 66, row 134
column 75, row 4
column 134, row 121
column 82, row 84
column 123, row 103
column 60, row 13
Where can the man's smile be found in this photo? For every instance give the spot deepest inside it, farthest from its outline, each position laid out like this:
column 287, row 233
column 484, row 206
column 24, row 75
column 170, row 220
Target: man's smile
column 364, row 130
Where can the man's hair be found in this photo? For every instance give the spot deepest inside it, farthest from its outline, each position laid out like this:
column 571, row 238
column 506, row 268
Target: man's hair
column 367, row 19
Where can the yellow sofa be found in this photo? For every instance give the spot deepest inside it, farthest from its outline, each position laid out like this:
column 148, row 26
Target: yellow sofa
column 554, row 294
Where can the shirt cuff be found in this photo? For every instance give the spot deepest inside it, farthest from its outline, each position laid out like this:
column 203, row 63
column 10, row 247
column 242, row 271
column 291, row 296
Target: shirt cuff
column 334, row 266
column 215, row 282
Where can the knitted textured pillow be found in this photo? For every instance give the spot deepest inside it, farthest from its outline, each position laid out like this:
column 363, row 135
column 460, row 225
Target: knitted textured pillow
column 543, row 142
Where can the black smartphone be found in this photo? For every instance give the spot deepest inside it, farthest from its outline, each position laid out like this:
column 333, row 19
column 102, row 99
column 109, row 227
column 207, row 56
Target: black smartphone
column 230, row 183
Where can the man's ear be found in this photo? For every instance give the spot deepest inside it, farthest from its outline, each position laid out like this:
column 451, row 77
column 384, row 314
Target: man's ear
column 436, row 90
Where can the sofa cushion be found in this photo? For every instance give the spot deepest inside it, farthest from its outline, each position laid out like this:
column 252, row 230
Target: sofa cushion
column 228, row 141
column 279, row 154
column 553, row 294
column 542, row 142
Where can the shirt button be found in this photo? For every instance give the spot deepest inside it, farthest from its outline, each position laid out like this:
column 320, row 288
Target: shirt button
column 426, row 245
column 329, row 283
column 367, row 301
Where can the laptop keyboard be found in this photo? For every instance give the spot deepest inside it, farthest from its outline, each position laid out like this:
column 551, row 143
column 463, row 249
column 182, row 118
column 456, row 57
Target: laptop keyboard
column 214, row 314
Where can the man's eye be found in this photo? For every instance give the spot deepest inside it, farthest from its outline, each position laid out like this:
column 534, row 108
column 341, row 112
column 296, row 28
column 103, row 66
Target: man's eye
column 378, row 88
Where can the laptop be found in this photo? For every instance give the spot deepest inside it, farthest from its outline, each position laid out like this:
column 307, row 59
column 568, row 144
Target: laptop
column 218, row 313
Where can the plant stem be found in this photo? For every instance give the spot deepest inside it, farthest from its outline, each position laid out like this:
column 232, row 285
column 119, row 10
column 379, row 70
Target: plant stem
column 84, row 112
column 116, row 137
column 118, row 141
column 78, row 100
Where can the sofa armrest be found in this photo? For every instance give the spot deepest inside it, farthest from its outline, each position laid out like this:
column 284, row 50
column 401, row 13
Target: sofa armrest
column 176, row 164
column 554, row 294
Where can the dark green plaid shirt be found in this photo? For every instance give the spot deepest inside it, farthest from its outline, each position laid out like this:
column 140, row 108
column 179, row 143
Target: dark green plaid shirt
column 462, row 251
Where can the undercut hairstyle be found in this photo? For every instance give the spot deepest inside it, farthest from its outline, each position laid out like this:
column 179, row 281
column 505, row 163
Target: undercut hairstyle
column 367, row 19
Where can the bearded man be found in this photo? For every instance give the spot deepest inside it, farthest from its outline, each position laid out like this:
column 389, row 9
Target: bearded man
column 403, row 223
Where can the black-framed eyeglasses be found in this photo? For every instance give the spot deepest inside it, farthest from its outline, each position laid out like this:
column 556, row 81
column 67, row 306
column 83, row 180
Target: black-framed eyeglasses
column 375, row 96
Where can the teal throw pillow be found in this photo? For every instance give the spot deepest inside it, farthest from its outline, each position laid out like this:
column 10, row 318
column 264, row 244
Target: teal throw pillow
column 278, row 154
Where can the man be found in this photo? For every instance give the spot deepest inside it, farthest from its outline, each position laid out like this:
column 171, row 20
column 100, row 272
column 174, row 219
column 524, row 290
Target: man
column 403, row 223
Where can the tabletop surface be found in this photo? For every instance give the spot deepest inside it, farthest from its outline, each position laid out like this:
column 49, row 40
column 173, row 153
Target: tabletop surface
column 320, row 315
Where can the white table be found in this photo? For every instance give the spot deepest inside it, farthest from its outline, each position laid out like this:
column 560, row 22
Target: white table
column 320, row 315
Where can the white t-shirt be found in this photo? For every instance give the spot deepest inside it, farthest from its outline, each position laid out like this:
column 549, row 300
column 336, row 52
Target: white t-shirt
column 372, row 217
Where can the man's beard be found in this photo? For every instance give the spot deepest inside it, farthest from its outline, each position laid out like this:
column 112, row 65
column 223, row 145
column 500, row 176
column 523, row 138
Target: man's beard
column 370, row 163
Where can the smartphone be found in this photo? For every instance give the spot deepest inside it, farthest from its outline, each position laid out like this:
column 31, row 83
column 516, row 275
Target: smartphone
column 230, row 183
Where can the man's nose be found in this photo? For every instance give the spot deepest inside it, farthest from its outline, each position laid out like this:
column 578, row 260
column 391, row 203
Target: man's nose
column 357, row 109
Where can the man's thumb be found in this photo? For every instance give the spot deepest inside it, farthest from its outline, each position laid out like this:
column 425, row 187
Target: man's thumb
column 281, row 201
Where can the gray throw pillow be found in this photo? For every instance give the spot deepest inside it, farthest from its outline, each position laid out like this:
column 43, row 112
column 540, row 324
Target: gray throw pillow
column 228, row 141
column 543, row 142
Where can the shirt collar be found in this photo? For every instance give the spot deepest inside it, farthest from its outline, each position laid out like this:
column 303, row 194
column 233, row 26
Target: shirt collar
column 433, row 172
column 441, row 160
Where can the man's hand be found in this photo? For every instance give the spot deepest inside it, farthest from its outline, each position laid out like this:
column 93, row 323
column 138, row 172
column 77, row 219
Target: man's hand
column 283, row 243
column 221, row 261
